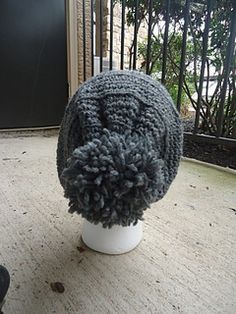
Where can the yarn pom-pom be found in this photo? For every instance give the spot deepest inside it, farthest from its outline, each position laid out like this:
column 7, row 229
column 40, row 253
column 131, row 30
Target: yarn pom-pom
column 113, row 179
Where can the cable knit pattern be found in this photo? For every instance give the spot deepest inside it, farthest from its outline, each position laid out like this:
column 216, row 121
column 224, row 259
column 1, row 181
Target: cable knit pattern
column 119, row 147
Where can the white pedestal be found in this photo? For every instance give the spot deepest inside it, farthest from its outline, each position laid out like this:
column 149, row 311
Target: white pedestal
column 116, row 240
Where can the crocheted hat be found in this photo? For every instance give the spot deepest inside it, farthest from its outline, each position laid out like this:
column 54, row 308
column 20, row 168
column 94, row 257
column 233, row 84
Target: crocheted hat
column 119, row 147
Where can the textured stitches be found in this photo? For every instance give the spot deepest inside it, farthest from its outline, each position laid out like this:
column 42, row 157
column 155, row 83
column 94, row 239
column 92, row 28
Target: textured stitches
column 119, row 147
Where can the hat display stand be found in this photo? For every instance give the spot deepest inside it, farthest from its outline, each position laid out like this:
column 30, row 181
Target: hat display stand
column 116, row 240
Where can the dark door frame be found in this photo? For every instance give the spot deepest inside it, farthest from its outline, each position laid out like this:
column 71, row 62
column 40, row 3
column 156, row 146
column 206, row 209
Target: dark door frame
column 71, row 13
column 72, row 46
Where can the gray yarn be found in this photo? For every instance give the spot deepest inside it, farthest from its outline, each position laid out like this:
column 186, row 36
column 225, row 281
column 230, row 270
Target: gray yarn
column 119, row 147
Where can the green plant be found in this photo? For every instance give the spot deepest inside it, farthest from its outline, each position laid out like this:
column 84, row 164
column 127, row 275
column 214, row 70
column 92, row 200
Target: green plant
column 172, row 72
column 218, row 54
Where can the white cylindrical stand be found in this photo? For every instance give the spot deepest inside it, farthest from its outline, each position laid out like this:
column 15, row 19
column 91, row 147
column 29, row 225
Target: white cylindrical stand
column 117, row 240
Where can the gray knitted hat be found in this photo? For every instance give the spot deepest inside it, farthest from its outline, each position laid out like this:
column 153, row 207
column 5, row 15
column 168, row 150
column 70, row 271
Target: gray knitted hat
column 119, row 147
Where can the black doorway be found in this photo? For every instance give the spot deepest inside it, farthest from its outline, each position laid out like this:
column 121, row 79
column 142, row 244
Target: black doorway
column 33, row 63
